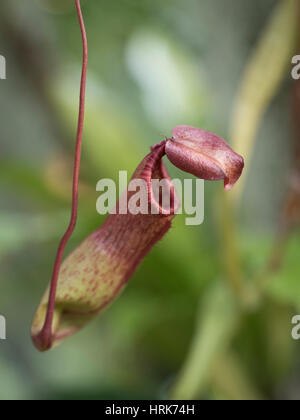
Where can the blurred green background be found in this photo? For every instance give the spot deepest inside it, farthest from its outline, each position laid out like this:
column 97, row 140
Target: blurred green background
column 208, row 314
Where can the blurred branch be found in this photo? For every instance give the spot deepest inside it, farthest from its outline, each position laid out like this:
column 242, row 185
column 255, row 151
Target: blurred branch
column 261, row 81
column 215, row 329
column 290, row 218
column 215, row 326
column 229, row 377
column 262, row 78
column 232, row 260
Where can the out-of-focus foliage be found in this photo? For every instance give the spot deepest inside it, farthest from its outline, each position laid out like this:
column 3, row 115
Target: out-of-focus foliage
column 183, row 327
column 264, row 73
column 285, row 285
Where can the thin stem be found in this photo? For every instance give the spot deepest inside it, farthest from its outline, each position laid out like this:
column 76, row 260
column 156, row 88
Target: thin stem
column 46, row 333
